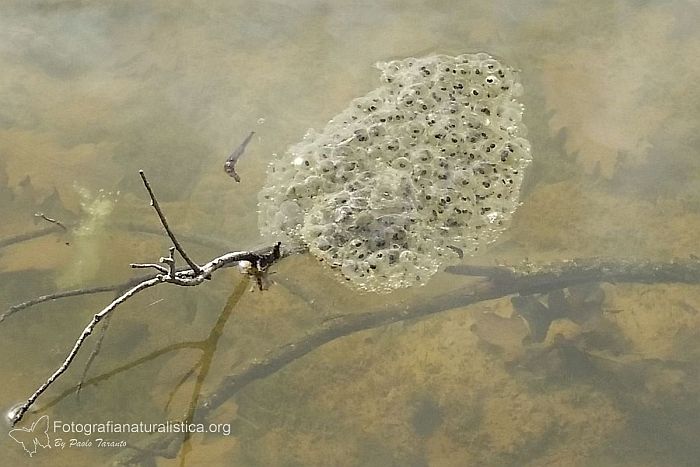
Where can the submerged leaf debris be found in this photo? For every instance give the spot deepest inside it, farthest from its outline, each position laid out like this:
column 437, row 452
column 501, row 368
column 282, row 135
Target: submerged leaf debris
column 425, row 167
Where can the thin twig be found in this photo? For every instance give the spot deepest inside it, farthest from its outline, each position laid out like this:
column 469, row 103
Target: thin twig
column 19, row 412
column 63, row 294
column 120, row 287
column 170, row 262
column 179, row 384
column 28, row 236
column 163, row 221
column 93, row 354
column 202, row 240
column 51, row 220
column 155, row 266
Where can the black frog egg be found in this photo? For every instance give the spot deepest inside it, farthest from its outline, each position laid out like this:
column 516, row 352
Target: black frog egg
column 461, row 179
column 492, row 82
column 407, row 100
column 378, row 259
column 356, row 242
column 413, row 131
column 421, row 155
column 401, row 163
column 376, row 131
column 326, row 167
column 389, row 149
column 361, row 135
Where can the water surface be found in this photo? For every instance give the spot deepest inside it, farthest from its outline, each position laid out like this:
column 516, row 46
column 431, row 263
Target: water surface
column 91, row 92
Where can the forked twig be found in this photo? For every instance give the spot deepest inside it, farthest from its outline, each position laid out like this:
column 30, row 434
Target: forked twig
column 189, row 277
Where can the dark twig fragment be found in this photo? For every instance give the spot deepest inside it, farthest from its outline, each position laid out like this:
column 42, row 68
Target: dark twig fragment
column 29, row 235
column 51, row 220
column 63, row 294
column 93, row 354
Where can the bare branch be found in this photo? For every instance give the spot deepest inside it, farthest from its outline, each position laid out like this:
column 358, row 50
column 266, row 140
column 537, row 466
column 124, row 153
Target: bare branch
column 253, row 257
column 19, row 412
column 163, row 221
column 189, row 277
column 263, row 258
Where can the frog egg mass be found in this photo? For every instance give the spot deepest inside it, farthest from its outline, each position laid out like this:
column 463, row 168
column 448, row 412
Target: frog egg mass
column 418, row 172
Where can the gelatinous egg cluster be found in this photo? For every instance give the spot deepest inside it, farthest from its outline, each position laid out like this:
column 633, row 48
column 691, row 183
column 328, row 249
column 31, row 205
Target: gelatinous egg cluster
column 420, row 171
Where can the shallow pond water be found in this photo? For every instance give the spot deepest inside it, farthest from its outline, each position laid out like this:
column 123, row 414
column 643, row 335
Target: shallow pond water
column 92, row 92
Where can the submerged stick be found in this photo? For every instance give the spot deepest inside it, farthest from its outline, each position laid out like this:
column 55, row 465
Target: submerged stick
column 93, row 355
column 4, row 242
column 506, row 281
column 62, row 294
column 542, row 279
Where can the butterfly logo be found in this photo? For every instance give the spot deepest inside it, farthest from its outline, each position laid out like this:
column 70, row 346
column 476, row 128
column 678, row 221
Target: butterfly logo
column 33, row 437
